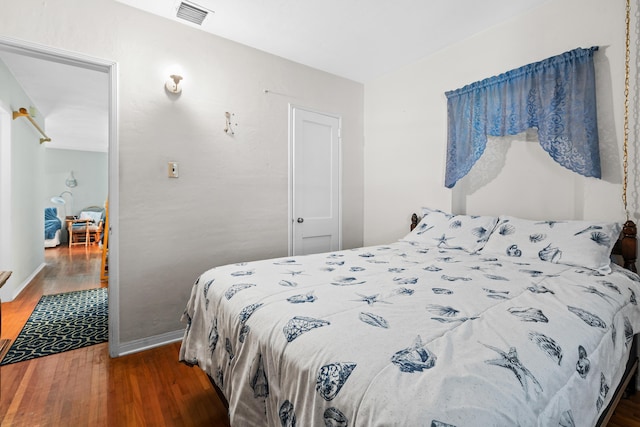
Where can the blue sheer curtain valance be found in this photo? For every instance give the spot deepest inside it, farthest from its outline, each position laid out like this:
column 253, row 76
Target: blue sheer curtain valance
column 557, row 96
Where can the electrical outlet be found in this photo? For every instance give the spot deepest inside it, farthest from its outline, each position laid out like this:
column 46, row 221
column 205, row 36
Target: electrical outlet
column 173, row 170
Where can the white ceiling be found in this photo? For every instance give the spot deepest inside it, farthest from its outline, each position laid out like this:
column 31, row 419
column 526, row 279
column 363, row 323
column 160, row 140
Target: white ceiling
column 355, row 39
column 73, row 100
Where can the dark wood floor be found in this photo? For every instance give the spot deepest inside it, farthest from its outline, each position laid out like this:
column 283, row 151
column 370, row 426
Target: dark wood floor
column 86, row 387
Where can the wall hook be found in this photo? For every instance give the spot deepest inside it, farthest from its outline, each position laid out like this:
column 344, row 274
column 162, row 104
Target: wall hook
column 227, row 128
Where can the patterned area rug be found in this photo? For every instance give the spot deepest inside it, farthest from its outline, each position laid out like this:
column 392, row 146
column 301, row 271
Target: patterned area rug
column 62, row 322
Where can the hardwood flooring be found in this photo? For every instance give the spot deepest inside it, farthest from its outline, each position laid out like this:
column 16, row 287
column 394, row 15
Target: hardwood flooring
column 627, row 413
column 86, row 387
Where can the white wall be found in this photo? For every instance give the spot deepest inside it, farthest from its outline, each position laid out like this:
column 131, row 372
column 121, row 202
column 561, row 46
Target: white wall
column 230, row 202
column 25, row 215
column 90, row 168
column 405, row 125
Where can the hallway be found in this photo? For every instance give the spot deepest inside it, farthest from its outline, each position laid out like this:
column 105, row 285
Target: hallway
column 67, row 269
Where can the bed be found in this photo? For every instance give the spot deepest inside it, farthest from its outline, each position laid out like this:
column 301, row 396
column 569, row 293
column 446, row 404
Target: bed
column 466, row 321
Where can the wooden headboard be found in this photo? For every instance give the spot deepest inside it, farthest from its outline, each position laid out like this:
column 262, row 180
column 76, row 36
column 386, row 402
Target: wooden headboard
column 626, row 246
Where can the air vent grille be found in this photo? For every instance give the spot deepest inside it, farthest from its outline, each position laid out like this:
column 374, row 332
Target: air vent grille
column 191, row 13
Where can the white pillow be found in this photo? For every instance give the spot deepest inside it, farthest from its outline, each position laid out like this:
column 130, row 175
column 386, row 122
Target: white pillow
column 448, row 231
column 94, row 216
column 585, row 244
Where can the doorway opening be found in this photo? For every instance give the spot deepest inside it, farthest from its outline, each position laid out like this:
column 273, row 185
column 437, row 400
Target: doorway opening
column 109, row 68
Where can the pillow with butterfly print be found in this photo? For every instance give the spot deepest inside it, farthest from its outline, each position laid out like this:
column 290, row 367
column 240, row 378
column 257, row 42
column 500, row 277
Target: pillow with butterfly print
column 448, row 231
column 585, row 244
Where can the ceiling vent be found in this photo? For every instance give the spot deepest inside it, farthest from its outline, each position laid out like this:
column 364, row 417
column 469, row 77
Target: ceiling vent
column 191, row 13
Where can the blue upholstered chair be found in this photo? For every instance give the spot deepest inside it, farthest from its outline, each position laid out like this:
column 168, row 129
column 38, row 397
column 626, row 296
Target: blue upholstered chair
column 88, row 227
column 52, row 227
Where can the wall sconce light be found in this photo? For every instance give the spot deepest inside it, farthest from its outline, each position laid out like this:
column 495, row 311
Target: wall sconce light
column 172, row 85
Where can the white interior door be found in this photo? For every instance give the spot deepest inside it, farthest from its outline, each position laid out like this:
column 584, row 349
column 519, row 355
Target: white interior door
column 315, row 182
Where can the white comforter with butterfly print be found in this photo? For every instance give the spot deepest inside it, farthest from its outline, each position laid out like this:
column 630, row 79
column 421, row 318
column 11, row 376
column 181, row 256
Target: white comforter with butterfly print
column 406, row 335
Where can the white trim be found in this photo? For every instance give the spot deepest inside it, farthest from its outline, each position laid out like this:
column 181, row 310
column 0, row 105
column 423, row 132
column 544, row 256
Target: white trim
column 50, row 53
column 290, row 182
column 114, row 216
column 61, row 56
column 148, row 343
column 341, row 178
column 5, row 187
column 26, row 282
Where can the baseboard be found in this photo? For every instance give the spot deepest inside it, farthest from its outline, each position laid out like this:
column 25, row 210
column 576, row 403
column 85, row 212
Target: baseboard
column 25, row 283
column 148, row 343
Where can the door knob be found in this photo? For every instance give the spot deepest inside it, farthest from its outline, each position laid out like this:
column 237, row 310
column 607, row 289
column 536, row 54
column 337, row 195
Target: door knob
column 300, row 220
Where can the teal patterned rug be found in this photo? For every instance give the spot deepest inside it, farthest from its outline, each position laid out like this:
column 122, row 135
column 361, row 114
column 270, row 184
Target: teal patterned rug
column 62, row 322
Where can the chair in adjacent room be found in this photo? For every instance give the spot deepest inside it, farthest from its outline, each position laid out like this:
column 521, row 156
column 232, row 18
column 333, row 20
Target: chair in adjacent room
column 52, row 227
column 88, row 227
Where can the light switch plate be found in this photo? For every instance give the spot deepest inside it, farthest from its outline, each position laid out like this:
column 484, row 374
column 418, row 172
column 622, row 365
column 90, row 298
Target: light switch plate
column 173, row 170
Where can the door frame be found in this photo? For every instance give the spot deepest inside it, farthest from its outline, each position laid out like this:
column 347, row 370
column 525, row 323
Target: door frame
column 5, row 183
column 291, row 218
column 109, row 67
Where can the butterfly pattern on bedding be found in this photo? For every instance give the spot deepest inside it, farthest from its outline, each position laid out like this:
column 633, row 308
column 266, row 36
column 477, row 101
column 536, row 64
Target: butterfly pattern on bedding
column 359, row 337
